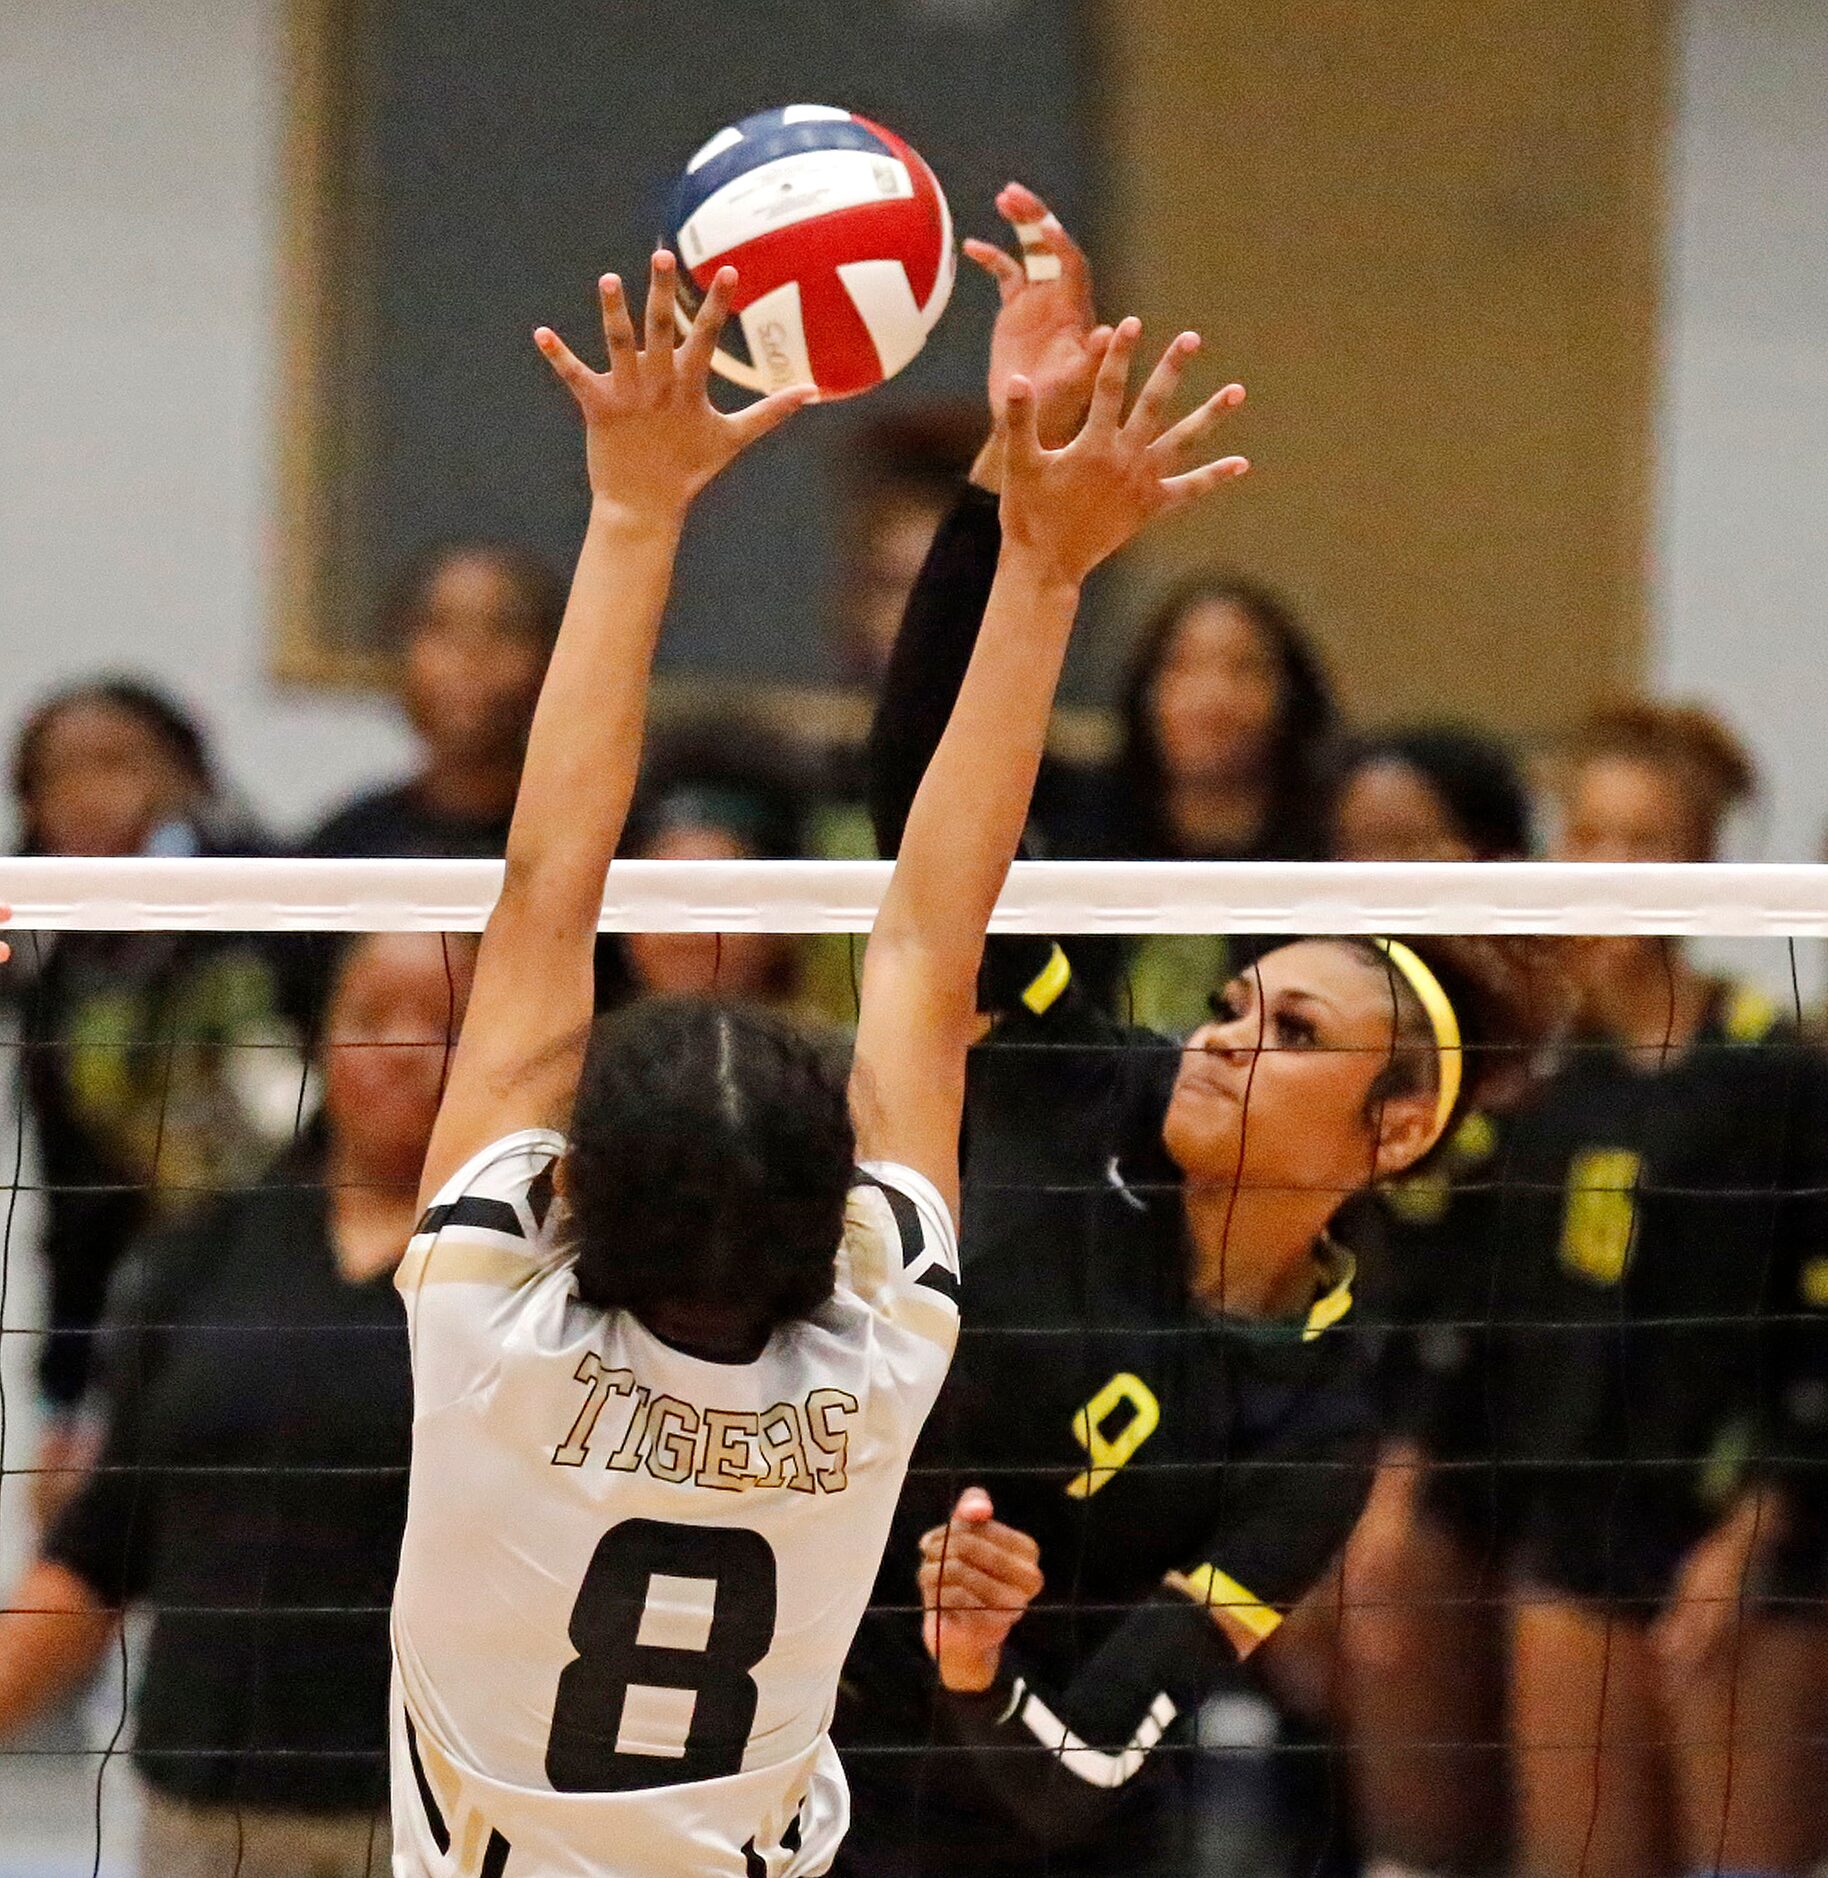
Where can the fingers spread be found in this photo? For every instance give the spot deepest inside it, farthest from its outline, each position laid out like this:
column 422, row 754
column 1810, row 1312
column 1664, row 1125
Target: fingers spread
column 1021, row 440
column 766, row 414
column 572, row 371
column 1005, row 271
column 1200, row 482
column 1150, row 411
column 1113, row 376
column 1198, row 422
column 618, row 328
column 662, row 292
column 701, row 341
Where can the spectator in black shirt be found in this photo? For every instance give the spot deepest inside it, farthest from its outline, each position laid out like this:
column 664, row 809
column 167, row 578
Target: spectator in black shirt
column 142, row 1092
column 1416, row 1613
column 1666, row 1221
column 721, row 791
column 251, row 1489
column 474, row 626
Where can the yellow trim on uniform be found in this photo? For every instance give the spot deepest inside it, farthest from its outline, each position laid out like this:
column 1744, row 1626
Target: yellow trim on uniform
column 1442, row 1020
column 1044, row 989
column 1750, row 1015
column 1226, row 1599
column 1814, row 1284
column 1339, row 1272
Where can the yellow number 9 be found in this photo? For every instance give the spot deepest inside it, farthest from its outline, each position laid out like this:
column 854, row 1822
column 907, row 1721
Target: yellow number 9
column 1108, row 1452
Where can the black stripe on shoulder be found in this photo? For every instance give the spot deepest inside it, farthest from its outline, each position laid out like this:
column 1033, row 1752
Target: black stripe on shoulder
column 937, row 1278
column 906, row 1214
column 434, row 1816
column 539, row 1197
column 472, row 1209
column 495, row 1857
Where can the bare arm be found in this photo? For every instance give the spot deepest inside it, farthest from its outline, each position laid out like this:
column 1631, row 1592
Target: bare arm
column 1063, row 511
column 54, row 1630
column 653, row 442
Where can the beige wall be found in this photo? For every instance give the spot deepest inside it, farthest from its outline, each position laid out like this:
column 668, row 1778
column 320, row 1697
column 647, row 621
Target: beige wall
column 1426, row 236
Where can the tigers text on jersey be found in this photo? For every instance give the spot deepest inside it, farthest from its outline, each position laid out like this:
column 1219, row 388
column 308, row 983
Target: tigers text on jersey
column 630, row 1575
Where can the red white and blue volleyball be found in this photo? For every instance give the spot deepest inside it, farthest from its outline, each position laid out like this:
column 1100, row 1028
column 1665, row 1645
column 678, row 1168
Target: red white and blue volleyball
column 841, row 237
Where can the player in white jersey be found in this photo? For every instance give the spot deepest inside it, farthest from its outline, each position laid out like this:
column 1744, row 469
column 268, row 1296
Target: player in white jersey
column 678, row 1304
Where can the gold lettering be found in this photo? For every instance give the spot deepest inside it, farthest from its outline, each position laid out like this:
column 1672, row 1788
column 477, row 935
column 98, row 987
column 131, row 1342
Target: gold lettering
column 824, row 1408
column 600, row 1384
column 728, row 1465
column 627, row 1456
column 783, row 1442
column 672, row 1450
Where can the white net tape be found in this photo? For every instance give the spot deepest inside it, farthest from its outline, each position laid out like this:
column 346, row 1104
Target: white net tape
column 1722, row 900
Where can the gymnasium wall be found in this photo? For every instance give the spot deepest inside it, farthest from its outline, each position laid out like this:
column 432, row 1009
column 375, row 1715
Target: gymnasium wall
column 139, row 214
column 1740, row 590
column 139, row 167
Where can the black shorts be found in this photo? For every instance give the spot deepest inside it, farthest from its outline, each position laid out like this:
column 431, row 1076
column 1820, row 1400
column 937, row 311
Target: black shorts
column 1619, row 1538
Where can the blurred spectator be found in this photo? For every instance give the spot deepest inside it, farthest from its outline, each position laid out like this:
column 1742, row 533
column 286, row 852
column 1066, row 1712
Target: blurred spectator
column 474, row 624
column 1665, row 1200
column 1228, row 744
column 252, row 1484
column 1431, row 792
column 906, row 469
column 157, row 1069
column 1417, row 1607
column 720, row 792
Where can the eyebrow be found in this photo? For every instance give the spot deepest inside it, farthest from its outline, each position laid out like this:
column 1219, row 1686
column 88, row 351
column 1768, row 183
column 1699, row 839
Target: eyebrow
column 1295, row 993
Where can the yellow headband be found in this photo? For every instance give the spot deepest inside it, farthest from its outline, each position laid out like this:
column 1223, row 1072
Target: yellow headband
column 1441, row 1020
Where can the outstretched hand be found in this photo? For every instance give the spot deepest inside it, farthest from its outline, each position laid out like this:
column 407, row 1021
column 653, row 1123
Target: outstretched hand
column 1045, row 329
column 1073, row 507
column 653, row 439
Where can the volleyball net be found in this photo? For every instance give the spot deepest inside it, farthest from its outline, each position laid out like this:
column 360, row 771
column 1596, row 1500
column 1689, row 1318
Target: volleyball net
column 1553, row 1516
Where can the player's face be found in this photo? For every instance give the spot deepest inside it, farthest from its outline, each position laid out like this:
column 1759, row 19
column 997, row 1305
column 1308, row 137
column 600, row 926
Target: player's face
column 102, row 781
column 1390, row 812
column 474, row 662
column 1216, row 696
column 1273, row 1095
column 398, row 1000
column 752, row 965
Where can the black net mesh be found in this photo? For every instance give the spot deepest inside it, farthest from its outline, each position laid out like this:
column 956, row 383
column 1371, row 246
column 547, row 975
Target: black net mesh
column 1446, row 1514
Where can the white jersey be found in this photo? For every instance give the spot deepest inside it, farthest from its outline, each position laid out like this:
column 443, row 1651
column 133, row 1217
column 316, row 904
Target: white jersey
column 630, row 1575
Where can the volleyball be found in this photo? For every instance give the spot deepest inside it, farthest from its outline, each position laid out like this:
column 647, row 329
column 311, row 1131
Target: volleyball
column 841, row 237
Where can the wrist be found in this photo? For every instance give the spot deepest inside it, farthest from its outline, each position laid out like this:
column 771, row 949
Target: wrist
column 638, row 520
column 969, row 1672
column 1041, row 570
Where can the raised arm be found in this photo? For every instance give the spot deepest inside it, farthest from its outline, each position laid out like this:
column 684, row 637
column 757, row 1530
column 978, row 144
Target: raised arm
column 653, row 441
column 1045, row 335
column 1063, row 511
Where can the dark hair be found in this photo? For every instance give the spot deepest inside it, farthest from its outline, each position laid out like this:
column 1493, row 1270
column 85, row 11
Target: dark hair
column 725, row 773
column 1475, row 777
column 1301, row 745
column 540, row 591
column 1689, row 743
column 176, row 732
column 710, row 1155
column 1507, row 998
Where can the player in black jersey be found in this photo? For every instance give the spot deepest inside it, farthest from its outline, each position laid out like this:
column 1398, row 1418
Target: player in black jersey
column 1155, row 1437
column 1664, row 1244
